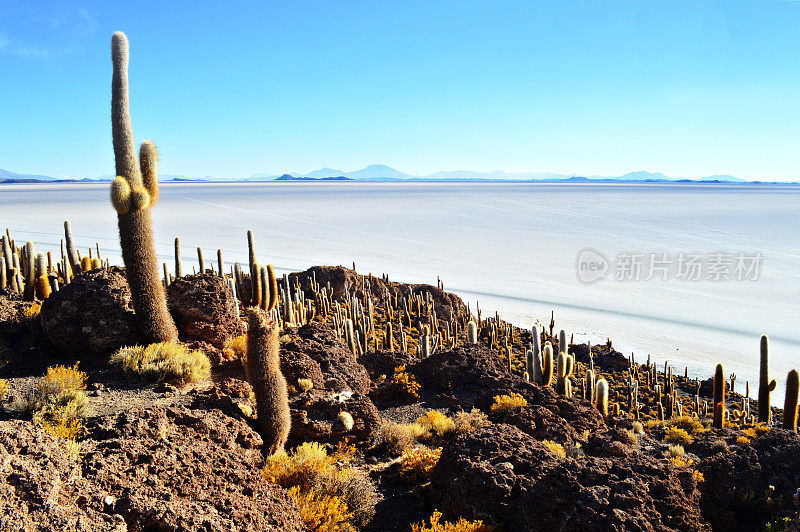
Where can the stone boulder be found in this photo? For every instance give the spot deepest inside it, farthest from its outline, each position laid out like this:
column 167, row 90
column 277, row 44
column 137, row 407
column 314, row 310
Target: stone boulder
column 41, row 488
column 91, row 315
column 315, row 352
column 315, row 417
column 204, row 309
column 748, row 485
column 505, row 477
column 181, row 469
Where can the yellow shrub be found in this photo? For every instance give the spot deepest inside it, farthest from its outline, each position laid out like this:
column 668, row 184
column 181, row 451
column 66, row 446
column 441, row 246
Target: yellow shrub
column 678, row 436
column 680, row 461
column 698, row 476
column 3, row 388
column 469, row 421
column 235, row 347
column 305, row 384
column 437, row 424
column 397, row 436
column 504, row 403
column 321, row 513
column 462, row 525
column 556, row 448
column 32, row 311
column 691, row 425
column 68, row 379
column 417, row 462
column 163, row 361
column 56, row 401
column 742, row 440
column 762, row 428
column 324, row 483
column 405, row 383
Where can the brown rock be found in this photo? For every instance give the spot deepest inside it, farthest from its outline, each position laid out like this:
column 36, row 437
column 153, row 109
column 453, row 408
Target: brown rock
column 204, row 309
column 42, row 489
column 315, row 352
column 504, row 476
column 91, row 315
column 183, row 469
column 748, row 485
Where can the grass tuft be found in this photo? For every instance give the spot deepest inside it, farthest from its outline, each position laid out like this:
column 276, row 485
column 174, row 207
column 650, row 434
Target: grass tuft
column 164, row 361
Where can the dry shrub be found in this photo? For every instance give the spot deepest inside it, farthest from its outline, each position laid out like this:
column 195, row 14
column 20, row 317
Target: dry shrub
column 462, row 525
column 163, row 361
column 305, row 384
column 397, row 436
column 321, row 513
column 762, row 428
column 404, row 383
column 555, row 448
column 469, row 421
column 30, row 313
column 742, row 440
column 235, row 347
column 55, row 401
column 675, row 451
column 417, row 462
column 677, row 435
column 504, row 403
column 435, row 424
column 691, row 425
column 331, row 495
column 638, row 428
column 630, row 437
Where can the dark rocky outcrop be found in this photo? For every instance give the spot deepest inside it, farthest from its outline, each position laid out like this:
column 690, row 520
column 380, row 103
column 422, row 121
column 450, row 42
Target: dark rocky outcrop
column 204, row 309
column 503, row 476
column 42, row 488
column 183, row 469
column 747, row 486
column 315, row 352
column 91, row 315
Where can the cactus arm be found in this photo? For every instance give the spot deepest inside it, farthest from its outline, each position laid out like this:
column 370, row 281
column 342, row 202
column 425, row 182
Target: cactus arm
column 148, row 162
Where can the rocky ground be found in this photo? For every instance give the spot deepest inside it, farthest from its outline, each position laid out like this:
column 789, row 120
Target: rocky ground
column 160, row 457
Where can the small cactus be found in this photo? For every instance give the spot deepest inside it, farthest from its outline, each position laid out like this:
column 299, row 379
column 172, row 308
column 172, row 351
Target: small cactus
column 602, row 396
column 719, row 397
column 178, row 264
column 765, row 386
column 547, row 364
column 790, row 404
column 472, row 332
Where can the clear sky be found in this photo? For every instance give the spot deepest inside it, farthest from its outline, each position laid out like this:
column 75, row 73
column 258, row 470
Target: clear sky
column 685, row 88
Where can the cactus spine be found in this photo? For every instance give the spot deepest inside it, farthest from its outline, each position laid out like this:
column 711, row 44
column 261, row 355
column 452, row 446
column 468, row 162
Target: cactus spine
column 719, row 397
column 135, row 224
column 264, row 374
column 790, row 404
column 765, row 386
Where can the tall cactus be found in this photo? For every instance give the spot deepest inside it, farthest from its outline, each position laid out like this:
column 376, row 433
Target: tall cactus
column 133, row 193
column 719, row 397
column 547, row 364
column 790, row 404
column 765, row 386
column 264, row 374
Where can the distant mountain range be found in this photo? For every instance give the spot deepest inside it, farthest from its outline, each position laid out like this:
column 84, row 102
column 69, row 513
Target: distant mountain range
column 381, row 172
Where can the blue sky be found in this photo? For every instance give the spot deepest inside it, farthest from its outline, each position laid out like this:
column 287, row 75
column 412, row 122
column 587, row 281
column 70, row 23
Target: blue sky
column 685, row 88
